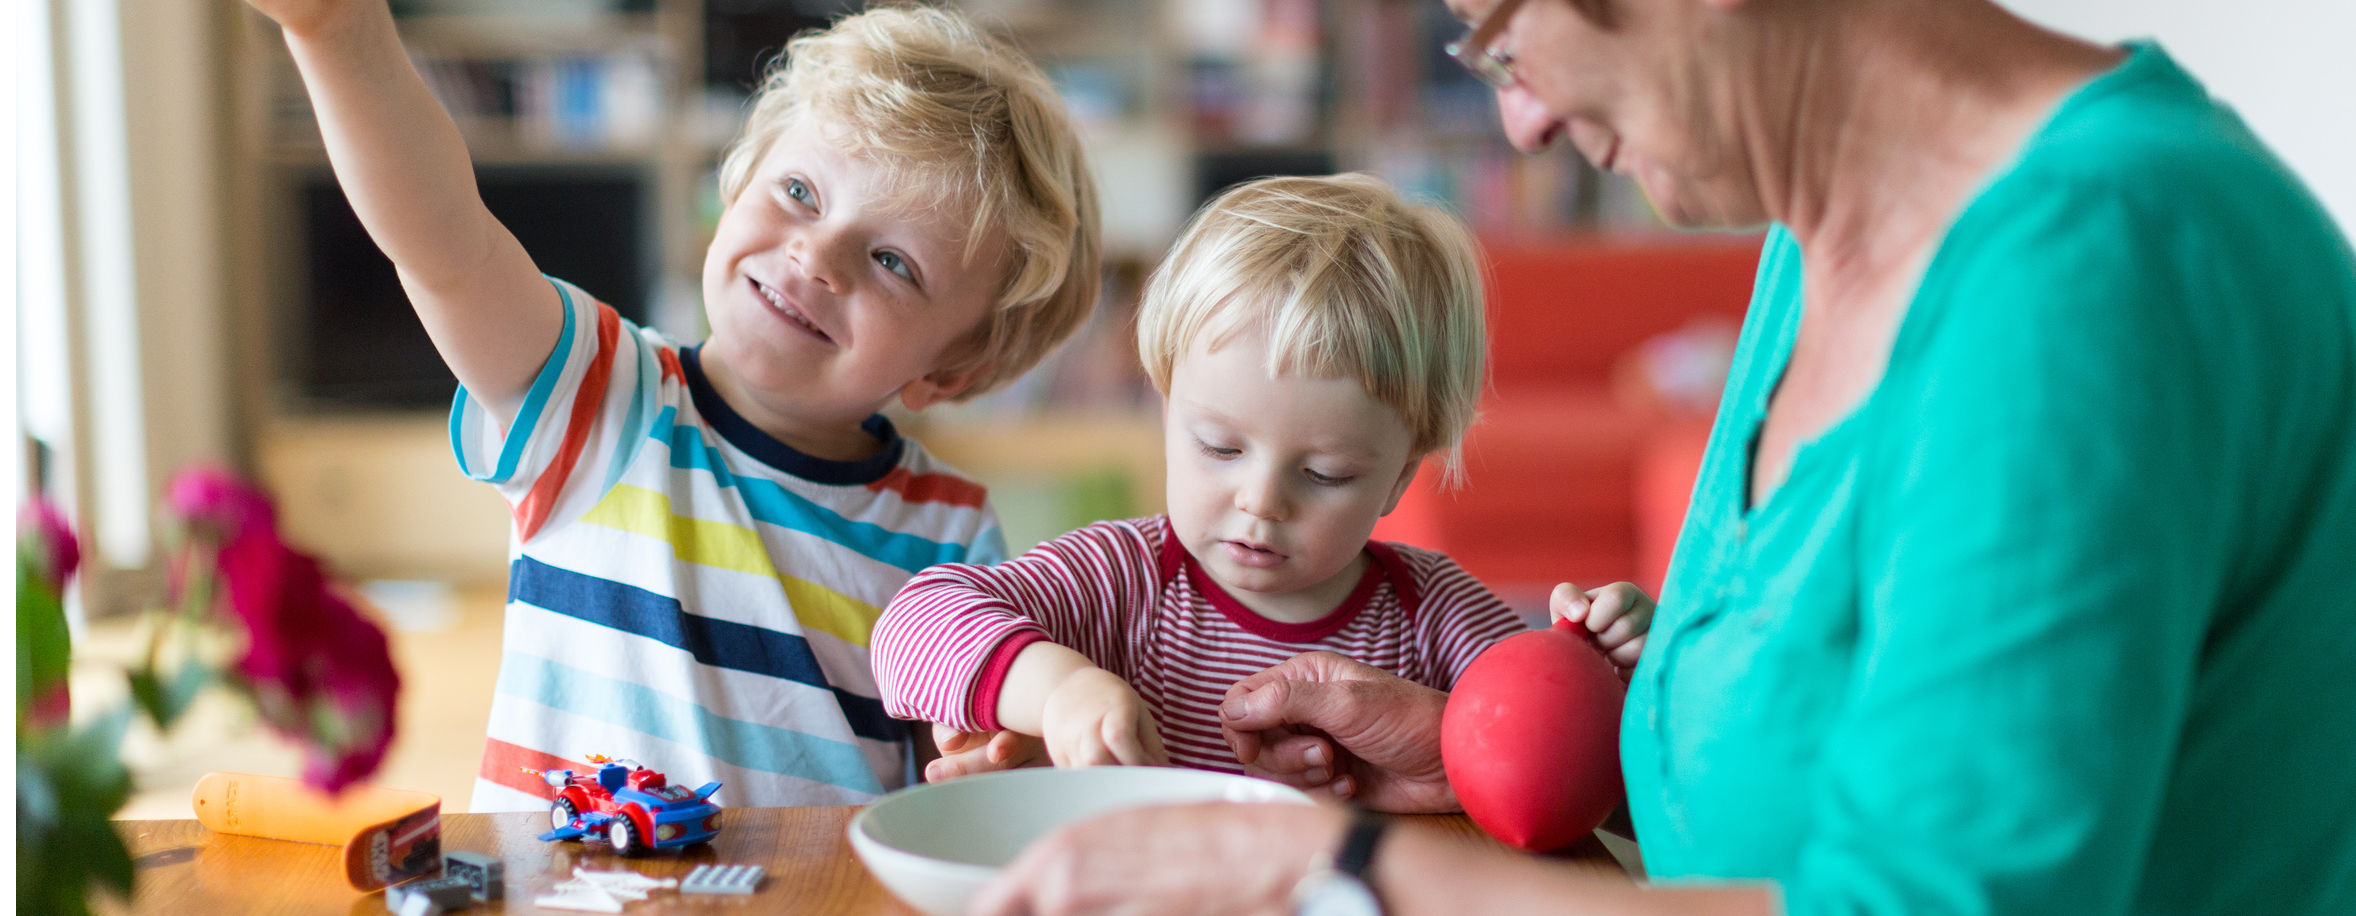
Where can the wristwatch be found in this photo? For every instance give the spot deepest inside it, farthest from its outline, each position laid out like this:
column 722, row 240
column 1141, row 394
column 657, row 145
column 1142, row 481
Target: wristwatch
column 1341, row 889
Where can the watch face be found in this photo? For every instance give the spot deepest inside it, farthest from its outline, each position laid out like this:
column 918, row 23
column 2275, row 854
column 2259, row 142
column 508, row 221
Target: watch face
column 1332, row 893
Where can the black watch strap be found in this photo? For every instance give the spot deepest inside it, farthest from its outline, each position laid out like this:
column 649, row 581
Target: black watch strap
column 1356, row 856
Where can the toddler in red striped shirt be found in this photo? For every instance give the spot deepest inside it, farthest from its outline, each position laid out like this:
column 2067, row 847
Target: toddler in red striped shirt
column 1315, row 341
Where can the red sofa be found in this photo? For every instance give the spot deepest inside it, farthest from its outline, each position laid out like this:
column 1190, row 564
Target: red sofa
column 1568, row 477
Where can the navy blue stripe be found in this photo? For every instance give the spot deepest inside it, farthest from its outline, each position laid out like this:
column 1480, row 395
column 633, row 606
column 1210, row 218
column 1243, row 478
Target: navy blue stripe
column 718, row 643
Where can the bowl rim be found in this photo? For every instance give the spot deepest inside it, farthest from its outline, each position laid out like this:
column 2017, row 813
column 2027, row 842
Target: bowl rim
column 864, row 842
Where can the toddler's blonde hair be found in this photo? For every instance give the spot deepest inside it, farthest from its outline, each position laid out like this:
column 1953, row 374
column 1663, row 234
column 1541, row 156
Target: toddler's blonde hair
column 954, row 117
column 1347, row 280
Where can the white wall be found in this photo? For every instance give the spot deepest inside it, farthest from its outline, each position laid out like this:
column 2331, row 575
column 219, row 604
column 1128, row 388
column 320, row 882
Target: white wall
column 2288, row 66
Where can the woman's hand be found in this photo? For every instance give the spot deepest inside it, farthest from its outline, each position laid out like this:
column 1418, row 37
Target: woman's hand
column 1206, row 859
column 965, row 753
column 1619, row 614
column 1332, row 726
column 1093, row 718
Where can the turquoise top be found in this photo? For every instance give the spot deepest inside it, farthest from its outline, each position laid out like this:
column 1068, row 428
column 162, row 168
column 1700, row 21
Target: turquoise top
column 2062, row 619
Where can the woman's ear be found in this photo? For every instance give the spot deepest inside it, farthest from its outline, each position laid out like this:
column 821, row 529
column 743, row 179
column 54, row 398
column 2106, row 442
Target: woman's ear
column 1399, row 489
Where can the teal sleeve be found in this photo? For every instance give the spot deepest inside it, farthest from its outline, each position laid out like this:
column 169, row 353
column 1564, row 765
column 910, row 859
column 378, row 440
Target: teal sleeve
column 2038, row 570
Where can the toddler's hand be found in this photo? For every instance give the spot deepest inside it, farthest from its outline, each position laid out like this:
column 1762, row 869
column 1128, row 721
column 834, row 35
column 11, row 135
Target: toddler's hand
column 1093, row 718
column 966, row 753
column 1618, row 614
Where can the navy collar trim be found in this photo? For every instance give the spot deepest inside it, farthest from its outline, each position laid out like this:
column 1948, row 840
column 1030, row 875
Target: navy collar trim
column 769, row 450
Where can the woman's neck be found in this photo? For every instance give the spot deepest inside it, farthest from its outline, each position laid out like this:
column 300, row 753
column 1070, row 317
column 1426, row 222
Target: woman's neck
column 1895, row 118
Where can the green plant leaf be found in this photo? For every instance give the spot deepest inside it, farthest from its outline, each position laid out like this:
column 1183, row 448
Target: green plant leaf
column 164, row 697
column 69, row 782
column 43, row 644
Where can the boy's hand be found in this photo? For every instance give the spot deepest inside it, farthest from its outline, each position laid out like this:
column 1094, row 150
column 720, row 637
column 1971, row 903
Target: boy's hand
column 1093, row 718
column 303, row 17
column 966, row 753
column 1619, row 614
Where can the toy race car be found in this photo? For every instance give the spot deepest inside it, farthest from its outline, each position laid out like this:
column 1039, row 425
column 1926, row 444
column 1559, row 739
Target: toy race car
column 634, row 808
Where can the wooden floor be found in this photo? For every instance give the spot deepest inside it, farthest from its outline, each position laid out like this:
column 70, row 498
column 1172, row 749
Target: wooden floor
column 446, row 643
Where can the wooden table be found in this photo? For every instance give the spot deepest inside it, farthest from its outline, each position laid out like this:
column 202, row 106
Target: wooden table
column 184, row 868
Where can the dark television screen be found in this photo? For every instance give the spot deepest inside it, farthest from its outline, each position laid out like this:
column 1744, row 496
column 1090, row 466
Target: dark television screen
column 359, row 344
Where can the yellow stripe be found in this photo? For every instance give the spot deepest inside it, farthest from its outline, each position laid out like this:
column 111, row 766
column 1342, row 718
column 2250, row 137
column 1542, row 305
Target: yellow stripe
column 733, row 547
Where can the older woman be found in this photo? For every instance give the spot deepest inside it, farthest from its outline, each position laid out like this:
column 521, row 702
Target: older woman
column 2020, row 575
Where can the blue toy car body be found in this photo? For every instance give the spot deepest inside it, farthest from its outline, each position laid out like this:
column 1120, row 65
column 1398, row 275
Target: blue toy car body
column 635, row 809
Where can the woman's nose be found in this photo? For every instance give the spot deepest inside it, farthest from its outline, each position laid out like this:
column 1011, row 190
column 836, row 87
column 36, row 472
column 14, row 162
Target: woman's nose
column 1528, row 125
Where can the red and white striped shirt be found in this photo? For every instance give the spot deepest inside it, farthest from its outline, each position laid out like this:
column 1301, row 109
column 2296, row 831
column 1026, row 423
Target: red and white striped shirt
column 1127, row 596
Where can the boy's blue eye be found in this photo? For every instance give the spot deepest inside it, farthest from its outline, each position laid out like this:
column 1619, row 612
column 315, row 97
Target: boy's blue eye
column 892, row 261
column 797, row 191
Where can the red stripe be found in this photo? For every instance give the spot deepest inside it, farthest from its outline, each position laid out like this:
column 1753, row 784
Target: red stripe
column 504, row 763
column 932, row 488
column 670, row 360
column 533, row 510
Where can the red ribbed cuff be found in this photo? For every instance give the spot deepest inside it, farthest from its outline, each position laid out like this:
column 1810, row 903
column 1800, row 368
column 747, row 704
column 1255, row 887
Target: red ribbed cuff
column 993, row 677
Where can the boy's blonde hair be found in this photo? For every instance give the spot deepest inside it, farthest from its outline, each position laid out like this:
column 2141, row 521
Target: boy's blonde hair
column 958, row 118
column 1347, row 281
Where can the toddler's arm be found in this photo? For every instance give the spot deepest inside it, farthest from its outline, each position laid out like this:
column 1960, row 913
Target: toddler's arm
column 1018, row 646
column 403, row 165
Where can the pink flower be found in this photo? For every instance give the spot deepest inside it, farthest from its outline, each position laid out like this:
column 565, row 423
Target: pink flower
column 320, row 673
column 43, row 529
column 220, row 502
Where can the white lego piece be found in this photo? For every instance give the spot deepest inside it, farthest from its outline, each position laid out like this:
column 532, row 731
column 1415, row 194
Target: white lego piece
column 419, row 905
column 723, row 879
column 573, row 895
column 627, row 885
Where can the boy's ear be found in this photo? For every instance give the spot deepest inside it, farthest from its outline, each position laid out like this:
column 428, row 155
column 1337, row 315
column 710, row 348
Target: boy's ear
column 938, row 386
column 1399, row 489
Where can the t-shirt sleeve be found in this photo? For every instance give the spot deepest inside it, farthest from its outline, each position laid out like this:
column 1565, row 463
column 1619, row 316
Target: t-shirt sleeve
column 2046, row 562
column 1458, row 617
column 578, row 422
column 944, row 641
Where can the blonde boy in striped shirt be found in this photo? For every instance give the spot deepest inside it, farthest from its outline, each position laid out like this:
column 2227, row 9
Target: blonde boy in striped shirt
column 705, row 534
column 1315, row 339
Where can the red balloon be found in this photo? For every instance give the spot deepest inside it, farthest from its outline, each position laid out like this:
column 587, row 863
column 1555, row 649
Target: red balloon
column 1531, row 738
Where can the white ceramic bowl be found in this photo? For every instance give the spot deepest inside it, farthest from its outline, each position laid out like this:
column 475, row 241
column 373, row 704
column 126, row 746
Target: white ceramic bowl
column 933, row 845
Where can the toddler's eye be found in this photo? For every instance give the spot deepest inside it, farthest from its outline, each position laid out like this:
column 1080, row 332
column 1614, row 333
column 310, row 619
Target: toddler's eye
column 892, row 261
column 1325, row 480
column 1218, row 451
column 796, row 190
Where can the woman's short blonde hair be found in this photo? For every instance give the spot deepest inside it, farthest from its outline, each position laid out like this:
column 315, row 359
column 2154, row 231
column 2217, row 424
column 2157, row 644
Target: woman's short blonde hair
column 1347, row 280
column 959, row 119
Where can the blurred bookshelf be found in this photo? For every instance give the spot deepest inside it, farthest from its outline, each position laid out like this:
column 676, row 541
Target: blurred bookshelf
column 596, row 127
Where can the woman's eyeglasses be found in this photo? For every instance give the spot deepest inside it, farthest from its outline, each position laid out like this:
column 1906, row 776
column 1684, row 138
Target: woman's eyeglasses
column 1494, row 67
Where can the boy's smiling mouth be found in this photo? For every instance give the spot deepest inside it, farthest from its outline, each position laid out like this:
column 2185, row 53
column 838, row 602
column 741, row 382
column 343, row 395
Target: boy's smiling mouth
column 784, row 309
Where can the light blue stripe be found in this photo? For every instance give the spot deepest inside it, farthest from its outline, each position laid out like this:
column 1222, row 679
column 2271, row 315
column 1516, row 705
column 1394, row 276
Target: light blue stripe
column 632, row 433
column 527, row 417
column 774, row 504
column 735, row 742
column 989, row 549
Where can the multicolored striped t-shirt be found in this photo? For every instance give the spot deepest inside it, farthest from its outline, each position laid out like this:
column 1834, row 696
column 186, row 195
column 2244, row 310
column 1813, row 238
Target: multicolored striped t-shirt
column 687, row 591
column 1128, row 596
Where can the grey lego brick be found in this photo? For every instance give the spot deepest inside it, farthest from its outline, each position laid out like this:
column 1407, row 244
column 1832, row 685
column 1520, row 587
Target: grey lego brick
column 722, row 879
column 486, row 876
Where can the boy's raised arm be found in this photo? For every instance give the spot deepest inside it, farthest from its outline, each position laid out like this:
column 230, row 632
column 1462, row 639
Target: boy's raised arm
column 402, row 163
